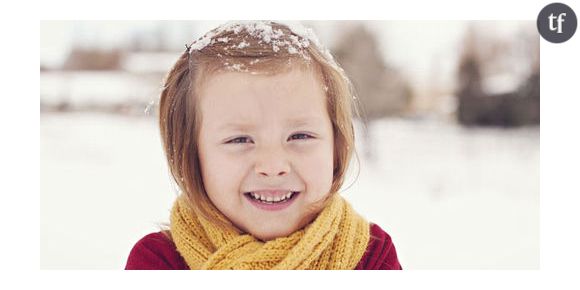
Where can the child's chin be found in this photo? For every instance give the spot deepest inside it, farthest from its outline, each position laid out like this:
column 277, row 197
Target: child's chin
column 272, row 233
column 276, row 228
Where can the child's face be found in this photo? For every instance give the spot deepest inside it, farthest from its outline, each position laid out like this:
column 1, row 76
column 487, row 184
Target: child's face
column 267, row 137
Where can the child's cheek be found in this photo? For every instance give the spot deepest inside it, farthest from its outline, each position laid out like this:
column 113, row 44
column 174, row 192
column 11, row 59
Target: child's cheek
column 315, row 166
column 221, row 168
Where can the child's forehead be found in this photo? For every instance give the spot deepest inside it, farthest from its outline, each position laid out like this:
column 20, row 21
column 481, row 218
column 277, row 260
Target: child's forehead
column 231, row 92
column 290, row 100
column 248, row 124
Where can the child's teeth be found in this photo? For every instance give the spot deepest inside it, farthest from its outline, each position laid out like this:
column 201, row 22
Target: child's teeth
column 271, row 199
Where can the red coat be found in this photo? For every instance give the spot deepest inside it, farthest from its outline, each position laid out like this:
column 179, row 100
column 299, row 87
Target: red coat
column 155, row 251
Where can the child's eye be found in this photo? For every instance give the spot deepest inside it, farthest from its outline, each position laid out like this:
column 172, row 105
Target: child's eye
column 239, row 140
column 300, row 136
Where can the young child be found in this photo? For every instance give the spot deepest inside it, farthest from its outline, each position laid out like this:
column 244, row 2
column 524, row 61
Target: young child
column 256, row 123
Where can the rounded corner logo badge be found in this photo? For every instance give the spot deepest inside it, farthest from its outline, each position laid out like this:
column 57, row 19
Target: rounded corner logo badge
column 557, row 22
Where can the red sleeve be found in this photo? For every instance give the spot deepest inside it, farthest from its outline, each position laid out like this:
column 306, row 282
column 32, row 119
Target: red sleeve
column 380, row 253
column 155, row 251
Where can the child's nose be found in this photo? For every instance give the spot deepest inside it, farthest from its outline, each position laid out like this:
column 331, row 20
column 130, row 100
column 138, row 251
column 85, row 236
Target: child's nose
column 272, row 162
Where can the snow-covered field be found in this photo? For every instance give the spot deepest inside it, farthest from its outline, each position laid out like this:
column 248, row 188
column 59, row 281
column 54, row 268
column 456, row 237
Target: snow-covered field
column 450, row 197
column 98, row 87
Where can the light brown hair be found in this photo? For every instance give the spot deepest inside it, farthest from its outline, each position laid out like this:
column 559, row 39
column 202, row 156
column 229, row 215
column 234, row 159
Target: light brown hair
column 255, row 47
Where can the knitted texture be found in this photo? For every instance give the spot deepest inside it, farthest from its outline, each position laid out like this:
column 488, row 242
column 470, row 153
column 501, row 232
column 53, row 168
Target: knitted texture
column 336, row 239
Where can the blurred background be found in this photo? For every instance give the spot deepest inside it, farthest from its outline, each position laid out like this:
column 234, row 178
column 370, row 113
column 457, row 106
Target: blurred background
column 448, row 145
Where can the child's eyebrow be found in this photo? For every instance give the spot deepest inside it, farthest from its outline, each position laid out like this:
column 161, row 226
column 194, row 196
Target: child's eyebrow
column 290, row 123
column 297, row 122
column 237, row 126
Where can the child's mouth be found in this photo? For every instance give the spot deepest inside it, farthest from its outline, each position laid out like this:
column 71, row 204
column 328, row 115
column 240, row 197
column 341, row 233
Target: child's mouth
column 268, row 202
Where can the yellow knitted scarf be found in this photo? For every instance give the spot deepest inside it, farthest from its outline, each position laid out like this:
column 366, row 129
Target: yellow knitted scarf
column 336, row 239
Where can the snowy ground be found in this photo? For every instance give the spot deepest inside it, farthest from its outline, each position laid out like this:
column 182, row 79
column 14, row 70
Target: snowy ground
column 98, row 87
column 450, row 197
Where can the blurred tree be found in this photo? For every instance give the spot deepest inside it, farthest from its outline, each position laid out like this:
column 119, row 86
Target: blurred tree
column 380, row 90
column 491, row 105
column 469, row 86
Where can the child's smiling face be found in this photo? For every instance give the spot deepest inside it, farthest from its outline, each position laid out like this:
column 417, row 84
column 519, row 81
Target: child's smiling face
column 266, row 148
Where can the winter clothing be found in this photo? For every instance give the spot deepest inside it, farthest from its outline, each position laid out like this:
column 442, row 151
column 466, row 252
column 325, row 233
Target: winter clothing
column 337, row 239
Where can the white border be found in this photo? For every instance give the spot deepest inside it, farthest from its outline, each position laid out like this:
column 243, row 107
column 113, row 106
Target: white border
column 20, row 136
